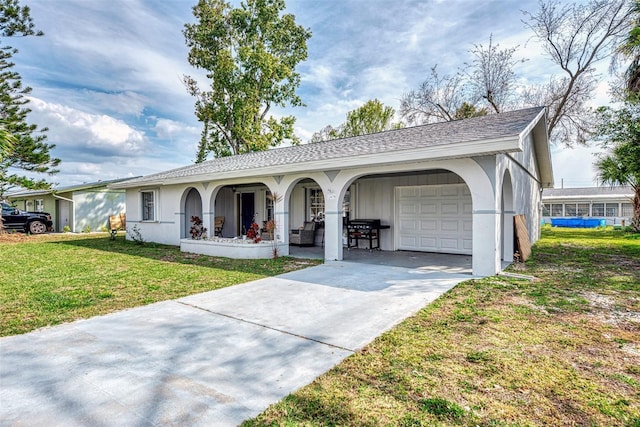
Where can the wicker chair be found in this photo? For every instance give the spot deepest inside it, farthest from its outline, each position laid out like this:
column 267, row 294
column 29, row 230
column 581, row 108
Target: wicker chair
column 304, row 236
column 218, row 224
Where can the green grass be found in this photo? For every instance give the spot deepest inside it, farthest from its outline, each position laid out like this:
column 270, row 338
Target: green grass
column 562, row 350
column 50, row 279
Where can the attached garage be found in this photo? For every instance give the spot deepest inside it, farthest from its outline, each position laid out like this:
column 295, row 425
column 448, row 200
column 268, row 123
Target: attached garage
column 434, row 218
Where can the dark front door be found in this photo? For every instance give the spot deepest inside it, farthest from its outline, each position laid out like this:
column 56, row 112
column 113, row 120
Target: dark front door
column 247, row 211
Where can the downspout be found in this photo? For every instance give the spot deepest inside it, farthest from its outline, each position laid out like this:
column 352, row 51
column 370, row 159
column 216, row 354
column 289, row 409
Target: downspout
column 72, row 212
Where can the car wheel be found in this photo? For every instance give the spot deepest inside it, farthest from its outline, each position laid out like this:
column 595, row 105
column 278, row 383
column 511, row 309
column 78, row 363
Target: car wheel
column 37, row 227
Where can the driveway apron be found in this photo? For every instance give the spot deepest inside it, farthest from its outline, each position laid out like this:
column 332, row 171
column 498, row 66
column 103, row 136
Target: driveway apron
column 216, row 358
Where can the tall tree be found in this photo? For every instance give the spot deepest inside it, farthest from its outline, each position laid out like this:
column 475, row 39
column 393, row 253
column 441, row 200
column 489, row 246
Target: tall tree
column 630, row 49
column 485, row 84
column 491, row 75
column 619, row 131
column 437, row 99
column 27, row 150
column 249, row 54
column 575, row 37
column 371, row 117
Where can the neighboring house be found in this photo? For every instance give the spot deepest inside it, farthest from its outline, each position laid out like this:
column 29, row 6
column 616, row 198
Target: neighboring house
column 449, row 187
column 613, row 204
column 80, row 207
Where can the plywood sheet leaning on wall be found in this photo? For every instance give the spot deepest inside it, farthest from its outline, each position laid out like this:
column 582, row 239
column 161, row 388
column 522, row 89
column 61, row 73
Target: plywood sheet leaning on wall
column 522, row 237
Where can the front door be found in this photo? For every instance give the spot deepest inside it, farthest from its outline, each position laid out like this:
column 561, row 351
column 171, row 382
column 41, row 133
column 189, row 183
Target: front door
column 247, row 211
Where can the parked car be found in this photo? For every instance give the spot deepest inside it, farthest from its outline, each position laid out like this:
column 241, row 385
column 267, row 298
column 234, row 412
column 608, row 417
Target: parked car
column 29, row 222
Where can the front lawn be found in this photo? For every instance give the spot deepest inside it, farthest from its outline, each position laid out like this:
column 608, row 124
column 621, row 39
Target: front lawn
column 50, row 279
column 563, row 350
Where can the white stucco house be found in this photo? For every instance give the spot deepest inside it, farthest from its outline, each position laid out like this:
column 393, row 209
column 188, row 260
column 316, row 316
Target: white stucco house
column 447, row 187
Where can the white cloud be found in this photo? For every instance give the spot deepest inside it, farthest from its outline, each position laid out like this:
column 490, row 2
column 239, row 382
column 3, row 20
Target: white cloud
column 73, row 128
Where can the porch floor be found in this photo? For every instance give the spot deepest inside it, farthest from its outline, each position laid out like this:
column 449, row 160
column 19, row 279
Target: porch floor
column 449, row 263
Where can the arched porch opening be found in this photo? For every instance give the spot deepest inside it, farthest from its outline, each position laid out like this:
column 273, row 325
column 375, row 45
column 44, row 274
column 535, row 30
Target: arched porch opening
column 306, row 210
column 507, row 226
column 238, row 206
column 419, row 211
column 192, row 207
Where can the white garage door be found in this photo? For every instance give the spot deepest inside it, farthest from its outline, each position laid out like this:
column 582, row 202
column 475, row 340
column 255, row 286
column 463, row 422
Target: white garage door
column 434, row 218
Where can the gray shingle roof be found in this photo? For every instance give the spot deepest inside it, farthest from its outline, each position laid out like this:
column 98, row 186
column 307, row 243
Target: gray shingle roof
column 68, row 188
column 491, row 127
column 587, row 192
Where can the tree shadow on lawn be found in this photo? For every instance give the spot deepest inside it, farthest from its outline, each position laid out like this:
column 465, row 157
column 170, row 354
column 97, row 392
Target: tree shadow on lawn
column 168, row 253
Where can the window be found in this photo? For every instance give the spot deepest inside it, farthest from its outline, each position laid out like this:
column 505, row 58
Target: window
column 40, row 205
column 556, row 209
column 583, row 209
column 269, row 207
column 148, row 206
column 597, row 209
column 612, row 209
column 627, row 210
column 546, row 209
column 316, row 204
column 570, row 209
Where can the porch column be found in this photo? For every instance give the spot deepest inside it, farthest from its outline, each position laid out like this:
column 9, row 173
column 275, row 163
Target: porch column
column 486, row 257
column 332, row 228
column 281, row 216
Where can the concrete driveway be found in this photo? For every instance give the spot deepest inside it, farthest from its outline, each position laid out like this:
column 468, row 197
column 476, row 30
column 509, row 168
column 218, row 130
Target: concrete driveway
column 216, row 358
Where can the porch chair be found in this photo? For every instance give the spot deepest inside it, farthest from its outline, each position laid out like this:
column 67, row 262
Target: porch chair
column 218, row 223
column 304, row 236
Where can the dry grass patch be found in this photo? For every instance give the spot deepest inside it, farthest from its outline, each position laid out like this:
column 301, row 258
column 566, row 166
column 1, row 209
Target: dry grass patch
column 561, row 351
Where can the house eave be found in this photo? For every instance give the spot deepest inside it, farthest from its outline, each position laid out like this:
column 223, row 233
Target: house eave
column 431, row 153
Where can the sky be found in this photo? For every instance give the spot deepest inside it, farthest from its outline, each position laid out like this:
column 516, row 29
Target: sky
column 106, row 77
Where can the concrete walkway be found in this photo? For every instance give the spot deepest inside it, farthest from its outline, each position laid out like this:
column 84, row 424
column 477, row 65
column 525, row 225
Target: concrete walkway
column 215, row 358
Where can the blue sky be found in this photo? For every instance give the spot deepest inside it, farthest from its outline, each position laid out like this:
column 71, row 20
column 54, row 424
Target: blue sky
column 106, row 77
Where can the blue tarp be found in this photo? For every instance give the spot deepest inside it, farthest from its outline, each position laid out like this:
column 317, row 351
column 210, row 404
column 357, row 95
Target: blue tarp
column 578, row 222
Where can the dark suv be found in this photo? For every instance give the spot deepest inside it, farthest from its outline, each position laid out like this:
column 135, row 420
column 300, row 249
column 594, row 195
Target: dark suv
column 29, row 222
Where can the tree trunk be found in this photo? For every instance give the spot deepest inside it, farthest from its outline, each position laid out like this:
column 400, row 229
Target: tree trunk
column 635, row 221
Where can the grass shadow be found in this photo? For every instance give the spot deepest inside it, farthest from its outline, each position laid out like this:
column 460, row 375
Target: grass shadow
column 169, row 253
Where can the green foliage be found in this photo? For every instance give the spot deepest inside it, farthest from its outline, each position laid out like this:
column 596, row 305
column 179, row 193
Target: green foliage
column 66, row 229
column 372, row 117
column 50, row 279
column 442, row 408
column 619, row 131
column 26, row 148
column 87, row 229
column 249, row 54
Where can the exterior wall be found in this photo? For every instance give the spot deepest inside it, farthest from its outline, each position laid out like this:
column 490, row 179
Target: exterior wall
column 527, row 190
column 92, row 208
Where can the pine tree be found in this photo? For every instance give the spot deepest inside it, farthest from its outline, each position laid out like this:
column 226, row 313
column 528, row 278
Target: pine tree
column 28, row 155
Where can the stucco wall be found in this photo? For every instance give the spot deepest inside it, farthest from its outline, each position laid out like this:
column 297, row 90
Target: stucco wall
column 92, row 208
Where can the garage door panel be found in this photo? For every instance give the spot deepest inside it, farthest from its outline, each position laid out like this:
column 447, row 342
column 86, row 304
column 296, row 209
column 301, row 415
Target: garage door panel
column 409, row 242
column 409, row 225
column 428, row 225
column 449, row 209
column 428, row 209
column 428, row 191
column 408, row 208
column 449, row 190
column 428, row 243
column 434, row 218
column 449, row 243
column 450, row 226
